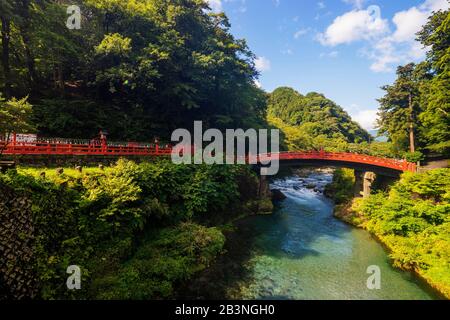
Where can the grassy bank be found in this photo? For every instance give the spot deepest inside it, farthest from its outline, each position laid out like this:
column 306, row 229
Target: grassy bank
column 137, row 231
column 412, row 220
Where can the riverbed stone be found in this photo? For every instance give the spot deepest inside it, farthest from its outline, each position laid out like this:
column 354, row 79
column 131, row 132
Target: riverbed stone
column 278, row 195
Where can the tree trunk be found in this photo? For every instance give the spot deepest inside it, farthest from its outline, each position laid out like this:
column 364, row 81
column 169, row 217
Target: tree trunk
column 412, row 139
column 30, row 60
column 6, row 32
column 25, row 34
column 60, row 72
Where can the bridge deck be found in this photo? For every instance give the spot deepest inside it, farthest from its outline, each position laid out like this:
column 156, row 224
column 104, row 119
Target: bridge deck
column 134, row 149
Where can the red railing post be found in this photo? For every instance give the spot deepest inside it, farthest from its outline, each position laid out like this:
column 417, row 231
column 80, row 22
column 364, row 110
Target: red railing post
column 104, row 146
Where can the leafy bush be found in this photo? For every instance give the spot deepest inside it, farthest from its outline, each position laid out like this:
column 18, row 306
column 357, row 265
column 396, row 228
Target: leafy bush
column 414, row 157
column 414, row 221
column 167, row 257
column 341, row 189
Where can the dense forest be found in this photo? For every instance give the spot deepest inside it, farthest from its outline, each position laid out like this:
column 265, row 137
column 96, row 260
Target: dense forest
column 312, row 121
column 138, row 69
column 415, row 111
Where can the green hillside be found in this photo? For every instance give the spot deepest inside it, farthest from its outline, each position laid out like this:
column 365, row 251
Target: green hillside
column 312, row 121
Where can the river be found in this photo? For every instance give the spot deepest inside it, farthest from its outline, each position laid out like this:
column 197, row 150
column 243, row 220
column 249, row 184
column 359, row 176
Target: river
column 303, row 252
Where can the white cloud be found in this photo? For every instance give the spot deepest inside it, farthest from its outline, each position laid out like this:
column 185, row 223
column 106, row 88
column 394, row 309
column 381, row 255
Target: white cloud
column 300, row 33
column 356, row 3
column 258, row 84
column 215, row 5
column 366, row 118
column 401, row 46
column 435, row 5
column 408, row 23
column 321, row 5
column 262, row 64
column 385, row 48
column 384, row 54
column 354, row 26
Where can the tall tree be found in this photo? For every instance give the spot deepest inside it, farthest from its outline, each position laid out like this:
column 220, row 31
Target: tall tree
column 436, row 94
column 400, row 106
column 23, row 8
column 14, row 117
column 5, row 17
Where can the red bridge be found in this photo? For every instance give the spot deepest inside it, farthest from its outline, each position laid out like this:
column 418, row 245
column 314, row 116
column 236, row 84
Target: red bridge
column 101, row 147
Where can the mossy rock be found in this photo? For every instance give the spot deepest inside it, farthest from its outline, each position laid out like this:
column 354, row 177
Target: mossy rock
column 265, row 207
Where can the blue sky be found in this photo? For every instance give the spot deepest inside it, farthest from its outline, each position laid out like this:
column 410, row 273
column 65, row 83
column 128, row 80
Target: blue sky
column 345, row 49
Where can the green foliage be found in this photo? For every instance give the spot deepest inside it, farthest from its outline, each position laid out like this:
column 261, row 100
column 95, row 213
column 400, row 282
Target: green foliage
column 312, row 121
column 376, row 149
column 341, row 189
column 137, row 68
column 168, row 257
column 400, row 106
column 314, row 136
column 114, row 44
column 436, row 97
column 14, row 116
column 414, row 221
column 56, row 238
column 427, row 87
column 96, row 220
column 414, row 157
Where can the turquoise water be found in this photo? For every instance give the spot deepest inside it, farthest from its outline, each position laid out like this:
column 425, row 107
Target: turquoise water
column 303, row 252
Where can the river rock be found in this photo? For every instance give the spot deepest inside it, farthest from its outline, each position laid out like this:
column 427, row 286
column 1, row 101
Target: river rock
column 277, row 195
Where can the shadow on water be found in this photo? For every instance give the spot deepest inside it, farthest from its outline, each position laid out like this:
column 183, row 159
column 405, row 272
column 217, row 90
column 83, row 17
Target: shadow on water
column 220, row 281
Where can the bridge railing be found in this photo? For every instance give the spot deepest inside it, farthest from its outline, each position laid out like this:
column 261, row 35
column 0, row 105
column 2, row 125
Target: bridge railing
column 401, row 165
column 42, row 148
column 57, row 147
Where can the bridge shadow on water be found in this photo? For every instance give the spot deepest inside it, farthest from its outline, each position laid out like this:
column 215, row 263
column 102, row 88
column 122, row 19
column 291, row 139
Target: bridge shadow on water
column 290, row 234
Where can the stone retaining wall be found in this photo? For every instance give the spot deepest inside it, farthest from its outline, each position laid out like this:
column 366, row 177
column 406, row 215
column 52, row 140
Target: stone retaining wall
column 17, row 276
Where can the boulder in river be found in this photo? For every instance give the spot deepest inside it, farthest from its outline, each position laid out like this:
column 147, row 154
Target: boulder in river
column 277, row 195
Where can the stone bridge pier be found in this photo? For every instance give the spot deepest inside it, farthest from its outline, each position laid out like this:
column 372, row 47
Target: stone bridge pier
column 364, row 181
